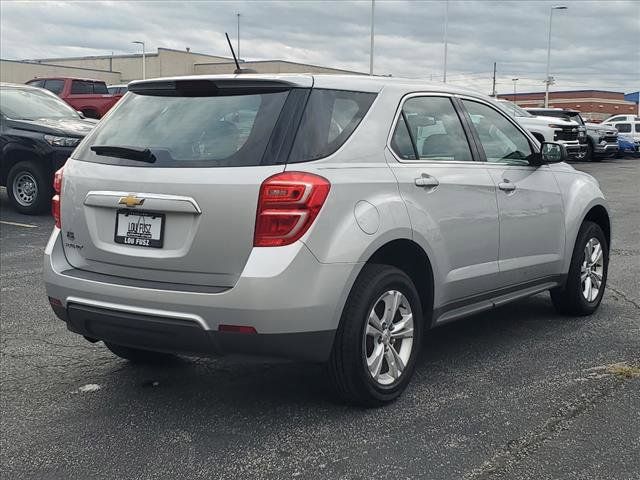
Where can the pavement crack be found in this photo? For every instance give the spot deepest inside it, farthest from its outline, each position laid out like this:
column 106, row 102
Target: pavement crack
column 518, row 449
column 624, row 295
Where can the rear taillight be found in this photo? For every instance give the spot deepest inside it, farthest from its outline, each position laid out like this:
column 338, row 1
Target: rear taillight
column 55, row 201
column 288, row 204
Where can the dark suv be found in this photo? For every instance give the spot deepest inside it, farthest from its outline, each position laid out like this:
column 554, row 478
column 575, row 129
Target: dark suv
column 38, row 132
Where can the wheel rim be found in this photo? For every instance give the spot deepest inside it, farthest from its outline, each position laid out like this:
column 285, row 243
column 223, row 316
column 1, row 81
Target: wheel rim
column 592, row 270
column 25, row 189
column 388, row 337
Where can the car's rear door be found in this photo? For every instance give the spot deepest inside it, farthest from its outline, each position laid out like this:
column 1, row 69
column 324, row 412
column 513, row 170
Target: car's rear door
column 449, row 196
column 188, row 216
column 532, row 229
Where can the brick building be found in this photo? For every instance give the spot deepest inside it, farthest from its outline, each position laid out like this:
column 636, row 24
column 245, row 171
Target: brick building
column 594, row 104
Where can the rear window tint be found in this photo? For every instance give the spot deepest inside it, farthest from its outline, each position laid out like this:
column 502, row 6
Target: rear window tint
column 213, row 131
column 329, row 119
column 100, row 87
column 54, row 86
column 81, row 87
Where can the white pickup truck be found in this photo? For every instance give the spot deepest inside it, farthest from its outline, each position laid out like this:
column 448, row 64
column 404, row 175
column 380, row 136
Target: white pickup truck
column 548, row 129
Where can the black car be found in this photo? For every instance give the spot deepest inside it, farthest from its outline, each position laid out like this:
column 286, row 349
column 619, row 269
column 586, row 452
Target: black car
column 38, row 132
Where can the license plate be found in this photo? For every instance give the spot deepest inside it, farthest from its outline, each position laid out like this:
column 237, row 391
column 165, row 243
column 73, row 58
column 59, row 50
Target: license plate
column 140, row 229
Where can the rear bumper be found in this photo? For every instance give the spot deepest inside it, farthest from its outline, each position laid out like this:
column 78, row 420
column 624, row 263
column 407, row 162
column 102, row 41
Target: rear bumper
column 188, row 337
column 292, row 301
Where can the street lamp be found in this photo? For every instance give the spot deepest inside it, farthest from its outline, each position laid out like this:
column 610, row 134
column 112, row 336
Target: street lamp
column 446, row 43
column 144, row 59
column 373, row 12
column 514, row 80
column 547, row 80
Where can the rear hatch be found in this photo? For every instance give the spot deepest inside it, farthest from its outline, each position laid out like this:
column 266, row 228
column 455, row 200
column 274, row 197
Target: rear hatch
column 166, row 188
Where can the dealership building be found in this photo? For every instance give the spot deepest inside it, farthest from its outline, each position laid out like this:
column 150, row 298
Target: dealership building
column 166, row 62
column 595, row 105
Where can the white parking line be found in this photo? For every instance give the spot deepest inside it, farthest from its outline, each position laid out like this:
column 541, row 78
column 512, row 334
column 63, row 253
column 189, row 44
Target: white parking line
column 26, row 225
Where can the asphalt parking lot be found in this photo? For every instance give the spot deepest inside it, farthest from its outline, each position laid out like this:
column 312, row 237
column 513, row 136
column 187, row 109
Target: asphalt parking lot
column 517, row 393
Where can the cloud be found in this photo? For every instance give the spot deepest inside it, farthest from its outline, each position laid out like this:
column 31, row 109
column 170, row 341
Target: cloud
column 594, row 44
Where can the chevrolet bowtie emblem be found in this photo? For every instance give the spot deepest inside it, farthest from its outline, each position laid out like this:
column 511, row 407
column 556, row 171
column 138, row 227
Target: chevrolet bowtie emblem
column 131, row 201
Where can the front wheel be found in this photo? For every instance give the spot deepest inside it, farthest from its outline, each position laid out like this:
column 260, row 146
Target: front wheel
column 29, row 188
column 587, row 277
column 379, row 337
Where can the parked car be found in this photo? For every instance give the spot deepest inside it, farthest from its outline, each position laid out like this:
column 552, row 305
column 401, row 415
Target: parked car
column 549, row 129
column 357, row 213
column 601, row 140
column 38, row 132
column 90, row 97
column 628, row 147
column 626, row 124
column 117, row 89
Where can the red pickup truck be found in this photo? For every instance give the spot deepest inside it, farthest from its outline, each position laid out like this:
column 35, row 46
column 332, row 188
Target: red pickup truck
column 88, row 96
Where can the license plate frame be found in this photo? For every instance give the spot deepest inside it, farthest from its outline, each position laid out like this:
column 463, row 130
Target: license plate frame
column 139, row 240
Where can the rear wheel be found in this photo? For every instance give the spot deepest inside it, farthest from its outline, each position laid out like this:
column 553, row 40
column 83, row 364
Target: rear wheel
column 379, row 337
column 29, row 187
column 136, row 355
column 587, row 278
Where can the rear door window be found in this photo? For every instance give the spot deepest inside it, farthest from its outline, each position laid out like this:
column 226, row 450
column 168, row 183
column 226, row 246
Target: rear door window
column 190, row 131
column 54, row 86
column 81, row 87
column 100, row 87
column 329, row 119
column 429, row 129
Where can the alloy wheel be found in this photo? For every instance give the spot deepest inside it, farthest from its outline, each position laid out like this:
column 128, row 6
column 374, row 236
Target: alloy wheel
column 592, row 270
column 388, row 337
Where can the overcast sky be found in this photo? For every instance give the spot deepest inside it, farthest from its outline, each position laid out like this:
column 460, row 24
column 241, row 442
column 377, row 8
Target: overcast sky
column 594, row 43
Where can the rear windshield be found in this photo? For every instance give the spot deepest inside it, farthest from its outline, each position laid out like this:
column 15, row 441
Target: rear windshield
column 212, row 131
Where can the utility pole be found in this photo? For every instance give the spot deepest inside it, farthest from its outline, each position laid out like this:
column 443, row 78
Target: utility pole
column 548, row 79
column 238, row 16
column 493, row 94
column 373, row 7
column 446, row 28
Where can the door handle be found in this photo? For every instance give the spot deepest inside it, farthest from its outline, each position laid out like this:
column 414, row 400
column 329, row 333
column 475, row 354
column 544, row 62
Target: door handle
column 427, row 181
column 507, row 186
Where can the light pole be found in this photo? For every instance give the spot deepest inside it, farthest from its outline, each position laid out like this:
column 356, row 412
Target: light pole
column 515, row 81
column 547, row 79
column 373, row 7
column 144, row 59
column 446, row 28
column 238, row 15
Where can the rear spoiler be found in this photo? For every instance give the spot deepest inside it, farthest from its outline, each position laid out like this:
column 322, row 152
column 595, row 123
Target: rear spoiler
column 208, row 87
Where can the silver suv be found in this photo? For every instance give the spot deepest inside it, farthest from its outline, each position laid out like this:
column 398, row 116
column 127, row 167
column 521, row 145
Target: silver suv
column 325, row 218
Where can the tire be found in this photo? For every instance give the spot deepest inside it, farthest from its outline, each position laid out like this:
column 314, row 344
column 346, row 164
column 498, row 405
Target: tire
column 91, row 114
column 349, row 372
column 136, row 355
column 572, row 298
column 29, row 187
column 588, row 155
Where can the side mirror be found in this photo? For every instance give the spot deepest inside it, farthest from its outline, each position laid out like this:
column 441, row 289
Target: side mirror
column 80, row 113
column 552, row 153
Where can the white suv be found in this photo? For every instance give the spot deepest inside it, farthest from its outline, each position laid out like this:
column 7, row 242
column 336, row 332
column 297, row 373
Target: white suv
column 628, row 125
column 325, row 218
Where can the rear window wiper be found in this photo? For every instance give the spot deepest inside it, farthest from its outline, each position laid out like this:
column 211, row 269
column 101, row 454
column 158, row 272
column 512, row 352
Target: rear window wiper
column 131, row 153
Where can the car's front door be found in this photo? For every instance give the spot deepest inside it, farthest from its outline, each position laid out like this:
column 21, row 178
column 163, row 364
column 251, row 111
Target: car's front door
column 450, row 199
column 532, row 229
